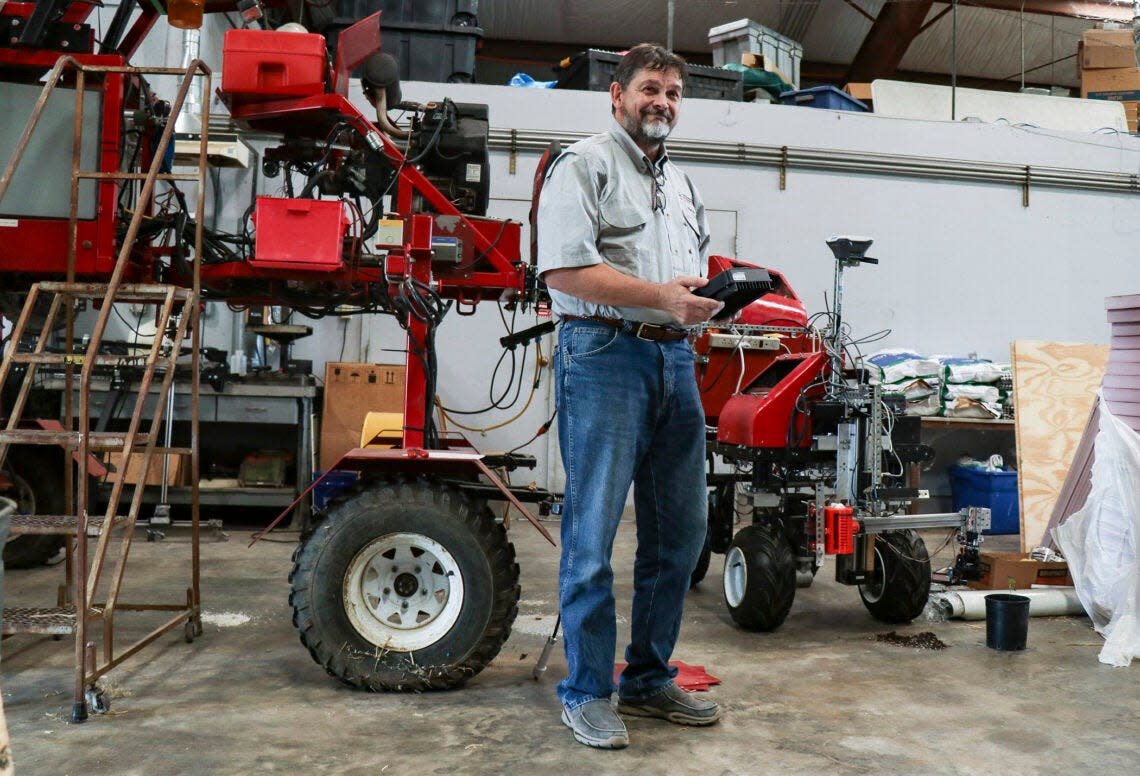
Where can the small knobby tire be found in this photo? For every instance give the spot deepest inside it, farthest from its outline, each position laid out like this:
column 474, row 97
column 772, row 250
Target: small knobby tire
column 395, row 542
column 900, row 584
column 759, row 578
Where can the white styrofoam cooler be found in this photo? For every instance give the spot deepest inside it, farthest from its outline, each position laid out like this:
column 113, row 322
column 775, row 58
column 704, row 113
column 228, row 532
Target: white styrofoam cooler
column 729, row 41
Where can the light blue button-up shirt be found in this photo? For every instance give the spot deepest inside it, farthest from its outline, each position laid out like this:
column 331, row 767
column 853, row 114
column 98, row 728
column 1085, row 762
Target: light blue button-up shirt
column 600, row 203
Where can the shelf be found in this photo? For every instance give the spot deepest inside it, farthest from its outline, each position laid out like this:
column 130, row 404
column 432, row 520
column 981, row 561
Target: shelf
column 243, row 497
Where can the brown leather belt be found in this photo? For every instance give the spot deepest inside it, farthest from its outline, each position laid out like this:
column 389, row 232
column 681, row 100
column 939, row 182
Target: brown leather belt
column 646, row 331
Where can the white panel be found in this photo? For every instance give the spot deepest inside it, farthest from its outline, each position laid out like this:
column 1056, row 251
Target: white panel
column 722, row 232
column 930, row 102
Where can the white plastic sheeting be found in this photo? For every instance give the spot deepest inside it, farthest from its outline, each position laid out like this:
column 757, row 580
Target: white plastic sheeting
column 1099, row 541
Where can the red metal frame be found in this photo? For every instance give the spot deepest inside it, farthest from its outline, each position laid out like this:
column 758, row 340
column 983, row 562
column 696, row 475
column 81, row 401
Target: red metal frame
column 39, row 246
column 767, row 417
column 719, row 369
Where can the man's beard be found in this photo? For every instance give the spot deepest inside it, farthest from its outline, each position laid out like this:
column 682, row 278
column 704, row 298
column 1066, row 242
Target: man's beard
column 647, row 130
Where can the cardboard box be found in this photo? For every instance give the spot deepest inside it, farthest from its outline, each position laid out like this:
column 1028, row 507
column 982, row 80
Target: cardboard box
column 1014, row 571
column 1121, row 83
column 175, row 474
column 351, row 392
column 759, row 61
column 1101, row 49
column 1131, row 114
column 861, row 92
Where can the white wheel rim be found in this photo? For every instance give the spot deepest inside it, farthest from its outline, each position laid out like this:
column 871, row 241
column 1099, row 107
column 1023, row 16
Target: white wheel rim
column 403, row 591
column 735, row 577
column 870, row 593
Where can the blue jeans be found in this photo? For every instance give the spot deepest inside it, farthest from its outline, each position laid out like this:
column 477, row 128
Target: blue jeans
column 628, row 413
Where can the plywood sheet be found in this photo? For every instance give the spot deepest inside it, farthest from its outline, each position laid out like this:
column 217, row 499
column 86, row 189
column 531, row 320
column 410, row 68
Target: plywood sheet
column 1054, row 387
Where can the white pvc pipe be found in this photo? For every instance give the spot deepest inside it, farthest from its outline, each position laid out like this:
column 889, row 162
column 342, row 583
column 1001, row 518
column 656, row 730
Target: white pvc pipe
column 971, row 604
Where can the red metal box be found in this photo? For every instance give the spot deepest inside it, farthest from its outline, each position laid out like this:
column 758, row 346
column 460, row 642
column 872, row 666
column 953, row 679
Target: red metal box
column 270, row 65
column 304, row 234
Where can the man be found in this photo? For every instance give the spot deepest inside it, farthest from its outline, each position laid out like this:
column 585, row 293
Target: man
column 622, row 240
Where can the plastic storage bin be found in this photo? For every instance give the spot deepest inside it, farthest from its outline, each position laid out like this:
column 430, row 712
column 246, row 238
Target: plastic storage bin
column 299, row 234
column 970, row 487
column 593, row 70
column 440, row 54
column 268, row 65
column 431, row 13
column 330, row 487
column 730, row 41
column 823, row 97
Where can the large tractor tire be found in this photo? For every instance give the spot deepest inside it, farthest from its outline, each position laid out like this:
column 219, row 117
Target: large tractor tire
column 406, row 585
column 38, row 490
column 759, row 578
column 900, row 584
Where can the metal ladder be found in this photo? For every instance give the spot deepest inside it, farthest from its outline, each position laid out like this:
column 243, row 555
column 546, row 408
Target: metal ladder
column 89, row 599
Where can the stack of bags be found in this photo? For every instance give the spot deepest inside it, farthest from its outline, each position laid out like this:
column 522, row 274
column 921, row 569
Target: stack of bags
column 917, row 378
column 949, row 386
column 974, row 387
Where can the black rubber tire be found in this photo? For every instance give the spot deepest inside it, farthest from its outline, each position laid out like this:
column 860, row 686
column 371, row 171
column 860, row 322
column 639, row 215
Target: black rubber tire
column 703, row 561
column 37, row 486
column 764, row 574
column 900, row 585
column 485, row 559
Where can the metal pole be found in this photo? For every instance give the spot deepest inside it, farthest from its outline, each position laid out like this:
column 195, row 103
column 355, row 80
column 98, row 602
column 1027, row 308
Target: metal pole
column 954, row 61
column 1023, row 45
column 669, row 27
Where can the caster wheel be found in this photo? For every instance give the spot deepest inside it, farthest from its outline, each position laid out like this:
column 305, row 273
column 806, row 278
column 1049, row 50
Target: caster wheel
column 188, row 631
column 97, row 700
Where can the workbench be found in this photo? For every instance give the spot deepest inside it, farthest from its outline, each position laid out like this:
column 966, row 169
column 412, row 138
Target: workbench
column 952, row 438
column 271, row 412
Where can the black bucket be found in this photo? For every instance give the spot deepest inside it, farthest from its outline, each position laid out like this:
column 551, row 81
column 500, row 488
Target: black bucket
column 1007, row 621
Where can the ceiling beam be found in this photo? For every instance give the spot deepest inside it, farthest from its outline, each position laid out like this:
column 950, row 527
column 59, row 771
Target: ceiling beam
column 1079, row 9
column 888, row 39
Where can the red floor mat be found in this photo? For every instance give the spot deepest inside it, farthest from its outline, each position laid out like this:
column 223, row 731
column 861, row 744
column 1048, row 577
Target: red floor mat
column 690, row 678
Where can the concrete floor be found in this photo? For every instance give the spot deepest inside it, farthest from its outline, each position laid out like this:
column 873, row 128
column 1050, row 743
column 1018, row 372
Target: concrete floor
column 820, row 695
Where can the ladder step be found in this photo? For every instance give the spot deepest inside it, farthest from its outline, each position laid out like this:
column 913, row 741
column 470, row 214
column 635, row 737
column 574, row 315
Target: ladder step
column 59, row 525
column 99, row 440
column 127, row 292
column 54, row 621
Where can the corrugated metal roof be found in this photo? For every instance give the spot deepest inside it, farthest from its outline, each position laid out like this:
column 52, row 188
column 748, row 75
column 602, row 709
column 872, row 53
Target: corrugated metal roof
column 989, row 41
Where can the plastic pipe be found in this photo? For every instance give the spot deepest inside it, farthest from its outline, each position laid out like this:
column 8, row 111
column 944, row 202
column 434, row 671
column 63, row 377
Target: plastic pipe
column 971, row 604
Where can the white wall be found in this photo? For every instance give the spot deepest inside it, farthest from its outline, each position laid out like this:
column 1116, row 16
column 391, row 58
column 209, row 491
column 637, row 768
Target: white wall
column 964, row 266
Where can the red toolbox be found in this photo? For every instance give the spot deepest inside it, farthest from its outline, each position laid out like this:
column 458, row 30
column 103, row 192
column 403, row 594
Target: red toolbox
column 299, row 234
column 268, row 65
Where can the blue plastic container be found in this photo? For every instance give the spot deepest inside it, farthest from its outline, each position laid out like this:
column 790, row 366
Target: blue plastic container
column 972, row 487
column 332, row 486
column 823, row 97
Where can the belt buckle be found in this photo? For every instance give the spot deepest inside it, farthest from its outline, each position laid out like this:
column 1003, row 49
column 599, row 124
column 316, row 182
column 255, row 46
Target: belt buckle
column 637, row 331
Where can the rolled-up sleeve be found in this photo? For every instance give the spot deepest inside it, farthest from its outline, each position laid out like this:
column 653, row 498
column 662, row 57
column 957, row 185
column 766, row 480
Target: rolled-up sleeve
column 568, row 216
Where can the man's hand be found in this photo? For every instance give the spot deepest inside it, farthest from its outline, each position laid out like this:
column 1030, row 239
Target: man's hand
column 685, row 307
column 602, row 284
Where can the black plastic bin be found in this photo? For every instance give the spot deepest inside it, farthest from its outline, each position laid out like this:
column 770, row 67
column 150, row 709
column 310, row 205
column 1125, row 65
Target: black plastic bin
column 442, row 55
column 594, row 69
column 432, row 14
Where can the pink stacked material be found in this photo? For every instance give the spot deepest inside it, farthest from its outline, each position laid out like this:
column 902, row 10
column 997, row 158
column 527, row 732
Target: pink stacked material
column 1120, row 393
column 1121, row 389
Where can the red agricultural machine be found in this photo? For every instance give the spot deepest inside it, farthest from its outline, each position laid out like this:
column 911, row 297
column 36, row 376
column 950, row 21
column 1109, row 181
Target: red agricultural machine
column 409, row 581
column 818, row 458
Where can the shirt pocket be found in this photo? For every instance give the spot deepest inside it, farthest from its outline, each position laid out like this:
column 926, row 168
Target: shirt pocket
column 622, row 232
